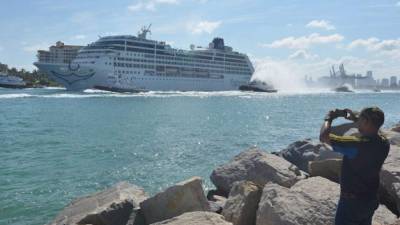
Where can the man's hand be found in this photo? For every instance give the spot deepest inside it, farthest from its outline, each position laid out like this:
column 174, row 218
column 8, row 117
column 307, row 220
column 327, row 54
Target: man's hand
column 333, row 114
column 350, row 115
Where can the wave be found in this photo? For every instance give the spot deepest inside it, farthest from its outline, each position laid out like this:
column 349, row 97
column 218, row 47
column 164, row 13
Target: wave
column 92, row 93
column 21, row 95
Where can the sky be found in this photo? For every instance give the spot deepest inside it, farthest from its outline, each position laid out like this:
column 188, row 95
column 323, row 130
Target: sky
column 287, row 38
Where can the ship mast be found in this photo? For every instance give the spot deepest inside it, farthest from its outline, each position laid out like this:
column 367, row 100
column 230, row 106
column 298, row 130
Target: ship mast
column 143, row 32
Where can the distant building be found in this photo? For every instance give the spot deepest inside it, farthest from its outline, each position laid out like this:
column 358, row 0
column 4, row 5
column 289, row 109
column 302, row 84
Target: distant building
column 366, row 81
column 385, row 82
column 339, row 78
column 59, row 53
column 393, row 81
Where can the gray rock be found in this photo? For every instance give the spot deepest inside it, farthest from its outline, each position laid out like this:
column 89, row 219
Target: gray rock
column 392, row 136
column 242, row 204
column 196, row 218
column 300, row 153
column 113, row 206
column 310, row 201
column 396, row 128
column 383, row 216
column 257, row 166
column 390, row 180
column 217, row 203
column 215, row 207
column 186, row 196
column 329, row 169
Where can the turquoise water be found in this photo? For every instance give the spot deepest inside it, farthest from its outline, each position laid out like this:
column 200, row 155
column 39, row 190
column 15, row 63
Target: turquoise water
column 57, row 145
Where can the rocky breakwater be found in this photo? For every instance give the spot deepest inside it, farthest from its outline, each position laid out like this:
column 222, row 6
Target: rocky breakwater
column 295, row 186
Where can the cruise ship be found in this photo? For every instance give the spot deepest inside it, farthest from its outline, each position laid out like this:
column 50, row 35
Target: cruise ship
column 130, row 63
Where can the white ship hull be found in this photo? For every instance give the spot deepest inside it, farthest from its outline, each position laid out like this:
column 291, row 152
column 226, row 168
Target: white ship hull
column 102, row 77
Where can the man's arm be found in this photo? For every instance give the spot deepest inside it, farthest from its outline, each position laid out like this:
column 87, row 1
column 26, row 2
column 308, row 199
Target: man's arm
column 346, row 145
column 324, row 132
column 326, row 127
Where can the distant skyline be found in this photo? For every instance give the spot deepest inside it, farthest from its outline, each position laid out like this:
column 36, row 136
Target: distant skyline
column 287, row 38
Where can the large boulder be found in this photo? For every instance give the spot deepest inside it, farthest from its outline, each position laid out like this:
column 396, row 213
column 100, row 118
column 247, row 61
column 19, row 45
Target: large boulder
column 242, row 204
column 300, row 153
column 396, row 128
column 195, row 218
column 392, row 136
column 114, row 206
column 329, row 169
column 217, row 203
column 310, row 201
column 186, row 196
column 390, row 180
column 257, row 166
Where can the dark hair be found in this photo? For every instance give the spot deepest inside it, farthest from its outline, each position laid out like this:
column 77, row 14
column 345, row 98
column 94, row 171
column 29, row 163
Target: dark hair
column 373, row 115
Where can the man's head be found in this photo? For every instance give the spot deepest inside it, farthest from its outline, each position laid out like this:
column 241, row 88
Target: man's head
column 370, row 120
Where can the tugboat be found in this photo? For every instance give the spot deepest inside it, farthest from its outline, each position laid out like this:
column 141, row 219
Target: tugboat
column 343, row 88
column 258, row 86
column 7, row 81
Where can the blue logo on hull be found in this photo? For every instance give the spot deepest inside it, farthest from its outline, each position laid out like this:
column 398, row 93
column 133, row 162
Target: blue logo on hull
column 72, row 77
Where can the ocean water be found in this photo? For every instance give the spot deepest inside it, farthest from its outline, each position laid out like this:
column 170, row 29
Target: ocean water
column 56, row 145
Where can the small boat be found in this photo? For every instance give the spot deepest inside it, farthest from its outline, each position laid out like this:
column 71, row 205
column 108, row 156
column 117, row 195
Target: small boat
column 377, row 90
column 257, row 86
column 343, row 88
column 7, row 81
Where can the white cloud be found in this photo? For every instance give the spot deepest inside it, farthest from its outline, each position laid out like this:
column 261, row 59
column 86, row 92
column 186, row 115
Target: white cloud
column 302, row 54
column 150, row 5
column 321, row 24
column 203, row 27
column 367, row 43
column 383, row 48
column 304, row 42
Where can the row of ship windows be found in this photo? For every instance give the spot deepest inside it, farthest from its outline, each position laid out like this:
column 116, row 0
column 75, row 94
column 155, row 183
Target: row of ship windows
column 128, row 72
column 154, row 45
column 213, row 64
column 243, row 66
column 134, row 65
column 129, row 65
column 177, row 78
column 167, row 53
column 175, row 59
column 138, row 72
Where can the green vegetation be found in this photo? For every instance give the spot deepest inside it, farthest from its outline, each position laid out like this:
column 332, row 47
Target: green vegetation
column 32, row 79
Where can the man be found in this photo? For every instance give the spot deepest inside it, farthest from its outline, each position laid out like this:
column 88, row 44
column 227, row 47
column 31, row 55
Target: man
column 363, row 157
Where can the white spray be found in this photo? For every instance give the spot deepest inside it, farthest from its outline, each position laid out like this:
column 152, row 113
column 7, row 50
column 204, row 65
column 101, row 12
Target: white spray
column 283, row 75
